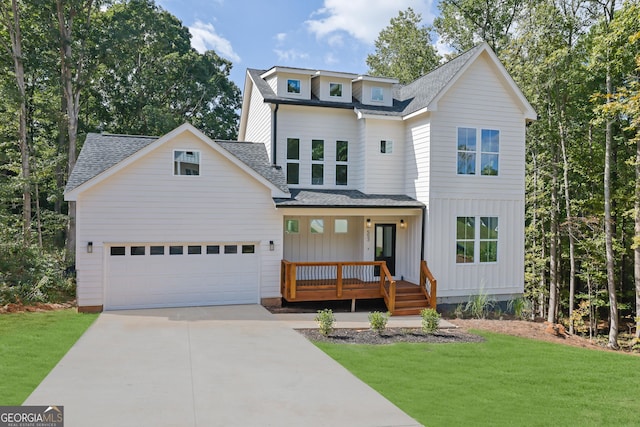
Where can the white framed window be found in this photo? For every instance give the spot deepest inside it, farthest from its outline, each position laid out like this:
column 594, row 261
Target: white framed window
column 317, row 162
column 316, row 226
column 186, row 162
column 293, row 86
column 335, row 90
column 293, row 161
column 473, row 156
column 341, row 226
column 476, row 239
column 342, row 162
column 377, row 94
column 291, row 226
column 386, row 147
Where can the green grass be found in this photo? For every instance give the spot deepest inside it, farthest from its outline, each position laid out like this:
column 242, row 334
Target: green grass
column 505, row 381
column 31, row 344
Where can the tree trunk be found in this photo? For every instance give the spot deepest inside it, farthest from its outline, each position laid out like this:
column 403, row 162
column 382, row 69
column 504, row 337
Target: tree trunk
column 12, row 22
column 636, row 250
column 572, row 242
column 608, row 225
column 553, row 246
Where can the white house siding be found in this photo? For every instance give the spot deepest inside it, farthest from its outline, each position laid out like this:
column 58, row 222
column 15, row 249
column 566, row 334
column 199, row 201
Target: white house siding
column 385, row 171
column 328, row 246
column 328, row 124
column 502, row 279
column 321, row 85
column 418, row 155
column 479, row 100
column 305, row 85
column 144, row 202
column 258, row 127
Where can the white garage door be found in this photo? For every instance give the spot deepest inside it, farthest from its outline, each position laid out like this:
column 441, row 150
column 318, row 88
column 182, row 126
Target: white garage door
column 175, row 275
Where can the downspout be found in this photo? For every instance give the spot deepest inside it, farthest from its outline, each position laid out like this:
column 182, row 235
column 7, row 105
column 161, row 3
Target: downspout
column 424, row 217
column 274, row 136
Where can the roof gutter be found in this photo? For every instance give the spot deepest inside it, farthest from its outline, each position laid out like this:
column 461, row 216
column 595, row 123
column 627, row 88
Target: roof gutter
column 274, row 135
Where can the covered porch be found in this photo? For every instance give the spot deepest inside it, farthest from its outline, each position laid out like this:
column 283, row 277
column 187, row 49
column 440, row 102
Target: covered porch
column 328, row 281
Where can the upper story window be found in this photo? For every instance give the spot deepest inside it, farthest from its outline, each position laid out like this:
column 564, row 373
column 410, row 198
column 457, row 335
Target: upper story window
column 293, row 161
column 386, row 147
column 468, row 159
column 293, row 86
column 186, row 162
column 335, row 89
column 476, row 239
column 317, row 162
column 377, row 94
column 342, row 157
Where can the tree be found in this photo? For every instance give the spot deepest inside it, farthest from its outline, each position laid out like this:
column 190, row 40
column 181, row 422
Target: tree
column 151, row 80
column 464, row 23
column 10, row 16
column 403, row 49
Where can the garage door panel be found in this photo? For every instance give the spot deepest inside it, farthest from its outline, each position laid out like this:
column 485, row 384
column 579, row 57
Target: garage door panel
column 139, row 281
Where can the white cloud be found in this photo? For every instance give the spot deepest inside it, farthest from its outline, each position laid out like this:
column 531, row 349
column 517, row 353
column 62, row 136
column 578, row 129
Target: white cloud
column 204, row 37
column 281, row 37
column 290, row 55
column 362, row 19
column 330, row 59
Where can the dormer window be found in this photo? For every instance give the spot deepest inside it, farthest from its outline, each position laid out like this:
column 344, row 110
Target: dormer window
column 293, row 86
column 186, row 162
column 377, row 94
column 335, row 90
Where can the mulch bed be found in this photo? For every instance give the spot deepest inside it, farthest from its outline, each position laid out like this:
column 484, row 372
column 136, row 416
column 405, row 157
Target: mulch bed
column 390, row 336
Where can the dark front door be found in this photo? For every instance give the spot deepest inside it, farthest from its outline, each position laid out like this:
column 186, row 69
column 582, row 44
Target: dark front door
column 385, row 242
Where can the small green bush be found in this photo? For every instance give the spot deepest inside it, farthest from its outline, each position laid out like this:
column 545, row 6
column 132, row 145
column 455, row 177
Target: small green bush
column 520, row 307
column 479, row 305
column 326, row 321
column 430, row 320
column 378, row 321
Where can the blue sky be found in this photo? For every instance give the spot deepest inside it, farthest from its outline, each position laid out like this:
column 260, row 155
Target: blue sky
column 324, row 34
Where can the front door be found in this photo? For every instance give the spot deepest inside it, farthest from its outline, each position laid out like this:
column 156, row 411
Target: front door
column 385, row 242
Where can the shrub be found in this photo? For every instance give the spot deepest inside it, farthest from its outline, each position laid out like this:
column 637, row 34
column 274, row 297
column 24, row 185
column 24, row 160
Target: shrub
column 378, row 321
column 521, row 308
column 479, row 305
column 326, row 321
column 430, row 320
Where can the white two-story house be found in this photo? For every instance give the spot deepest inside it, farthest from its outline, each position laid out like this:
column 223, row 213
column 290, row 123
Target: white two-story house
column 341, row 171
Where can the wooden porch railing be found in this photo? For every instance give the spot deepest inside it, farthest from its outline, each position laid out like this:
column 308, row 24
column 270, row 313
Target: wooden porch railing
column 338, row 280
column 426, row 276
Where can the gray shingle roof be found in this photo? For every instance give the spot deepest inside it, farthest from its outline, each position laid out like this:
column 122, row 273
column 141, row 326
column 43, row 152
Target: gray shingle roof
column 305, row 198
column 103, row 151
column 255, row 156
column 407, row 99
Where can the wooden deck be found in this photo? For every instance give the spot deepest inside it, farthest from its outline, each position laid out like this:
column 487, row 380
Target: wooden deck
column 329, row 281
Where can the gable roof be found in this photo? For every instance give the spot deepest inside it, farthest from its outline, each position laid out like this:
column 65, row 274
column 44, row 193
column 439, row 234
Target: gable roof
column 104, row 154
column 413, row 98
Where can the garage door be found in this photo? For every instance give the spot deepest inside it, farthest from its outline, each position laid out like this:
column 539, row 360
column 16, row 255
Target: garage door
column 175, row 275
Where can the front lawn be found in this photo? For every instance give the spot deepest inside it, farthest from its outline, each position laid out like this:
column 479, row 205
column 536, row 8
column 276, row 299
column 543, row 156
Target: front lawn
column 31, row 344
column 505, row 381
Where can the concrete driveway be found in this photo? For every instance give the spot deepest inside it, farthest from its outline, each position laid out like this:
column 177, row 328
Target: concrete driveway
column 206, row 366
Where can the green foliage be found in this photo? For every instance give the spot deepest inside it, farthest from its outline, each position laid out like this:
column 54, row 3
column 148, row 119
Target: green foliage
column 403, row 49
column 31, row 344
column 28, row 275
column 522, row 308
column 479, row 305
column 430, row 320
column 378, row 321
column 326, row 321
column 504, row 381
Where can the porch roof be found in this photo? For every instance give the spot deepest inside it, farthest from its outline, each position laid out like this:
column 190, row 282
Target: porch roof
column 305, row 198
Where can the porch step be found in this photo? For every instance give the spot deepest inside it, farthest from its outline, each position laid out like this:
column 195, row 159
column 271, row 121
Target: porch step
column 409, row 301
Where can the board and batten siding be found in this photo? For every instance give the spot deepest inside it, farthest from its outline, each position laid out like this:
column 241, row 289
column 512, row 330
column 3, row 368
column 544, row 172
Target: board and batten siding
column 385, row 171
column 505, row 277
column 258, row 127
column 328, row 246
column 417, row 158
column 145, row 203
column 329, row 125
